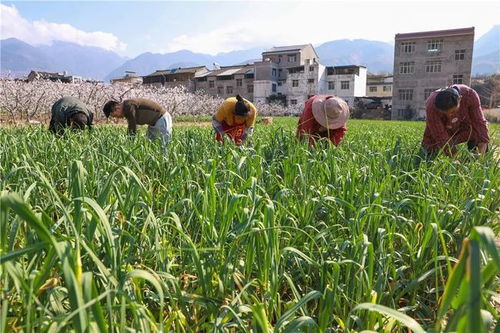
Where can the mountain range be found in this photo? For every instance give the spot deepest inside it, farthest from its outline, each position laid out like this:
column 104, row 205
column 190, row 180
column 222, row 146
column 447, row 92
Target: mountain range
column 18, row 57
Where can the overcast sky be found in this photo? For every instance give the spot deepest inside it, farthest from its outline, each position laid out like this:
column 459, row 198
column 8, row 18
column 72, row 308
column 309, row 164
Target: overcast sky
column 133, row 27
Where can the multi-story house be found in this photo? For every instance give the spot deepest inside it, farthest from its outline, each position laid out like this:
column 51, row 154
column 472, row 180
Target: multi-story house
column 346, row 82
column 271, row 73
column 379, row 85
column 303, row 82
column 426, row 61
column 228, row 81
column 175, row 77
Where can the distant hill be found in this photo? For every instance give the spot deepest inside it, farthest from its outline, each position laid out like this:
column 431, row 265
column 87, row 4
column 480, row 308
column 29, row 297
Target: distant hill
column 86, row 61
column 19, row 58
column 147, row 63
column 486, row 58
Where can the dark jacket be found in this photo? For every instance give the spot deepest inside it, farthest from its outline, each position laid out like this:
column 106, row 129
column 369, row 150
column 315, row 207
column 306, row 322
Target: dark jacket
column 141, row 111
column 63, row 109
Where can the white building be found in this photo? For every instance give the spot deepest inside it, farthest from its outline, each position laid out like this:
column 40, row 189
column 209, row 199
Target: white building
column 295, row 73
column 346, row 82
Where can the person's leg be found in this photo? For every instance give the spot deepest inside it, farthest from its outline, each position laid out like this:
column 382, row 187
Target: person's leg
column 472, row 145
column 152, row 132
column 162, row 129
column 165, row 129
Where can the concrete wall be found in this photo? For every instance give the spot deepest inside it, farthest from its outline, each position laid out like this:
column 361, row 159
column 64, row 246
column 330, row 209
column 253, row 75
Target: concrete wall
column 356, row 83
column 262, row 89
column 420, row 79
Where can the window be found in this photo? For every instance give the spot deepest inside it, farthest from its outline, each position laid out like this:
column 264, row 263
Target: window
column 387, row 88
column 406, row 94
column 279, row 59
column 292, row 58
column 279, row 72
column 280, row 83
column 229, row 90
column 274, row 87
column 433, row 66
column 274, row 71
column 293, row 102
column 220, row 90
column 407, row 47
column 427, row 93
column 250, row 88
column 311, row 68
column 401, row 113
column 434, row 45
column 295, row 83
column 458, row 79
column 239, row 82
column 344, row 85
column 211, row 84
column 407, row 67
column 373, row 89
column 310, row 81
column 459, row 54
column 331, row 85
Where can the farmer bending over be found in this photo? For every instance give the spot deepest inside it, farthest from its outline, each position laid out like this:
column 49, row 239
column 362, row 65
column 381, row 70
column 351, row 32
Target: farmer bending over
column 454, row 116
column 141, row 111
column 324, row 116
column 70, row 112
column 235, row 118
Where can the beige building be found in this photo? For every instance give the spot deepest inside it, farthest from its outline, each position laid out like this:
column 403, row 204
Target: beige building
column 175, row 77
column 228, row 81
column 128, row 78
column 426, row 61
column 379, row 85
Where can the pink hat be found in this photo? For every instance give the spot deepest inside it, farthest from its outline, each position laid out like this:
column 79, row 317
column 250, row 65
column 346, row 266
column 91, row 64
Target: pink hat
column 330, row 112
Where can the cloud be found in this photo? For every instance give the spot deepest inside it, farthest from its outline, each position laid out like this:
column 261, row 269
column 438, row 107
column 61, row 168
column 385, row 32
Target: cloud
column 41, row 32
column 294, row 22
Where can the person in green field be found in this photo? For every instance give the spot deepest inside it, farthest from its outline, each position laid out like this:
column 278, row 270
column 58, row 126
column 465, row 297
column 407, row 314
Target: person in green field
column 70, row 112
column 141, row 111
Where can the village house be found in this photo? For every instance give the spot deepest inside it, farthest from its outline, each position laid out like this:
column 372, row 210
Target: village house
column 271, row 73
column 128, row 78
column 62, row 77
column 347, row 82
column 426, row 61
column 175, row 77
column 228, row 81
column 379, row 86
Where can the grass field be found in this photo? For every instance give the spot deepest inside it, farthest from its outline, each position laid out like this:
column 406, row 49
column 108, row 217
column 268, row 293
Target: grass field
column 106, row 233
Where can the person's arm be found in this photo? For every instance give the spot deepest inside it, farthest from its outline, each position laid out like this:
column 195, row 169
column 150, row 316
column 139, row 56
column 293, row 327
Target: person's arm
column 437, row 129
column 337, row 135
column 248, row 133
column 479, row 122
column 217, row 126
column 219, row 117
column 130, row 112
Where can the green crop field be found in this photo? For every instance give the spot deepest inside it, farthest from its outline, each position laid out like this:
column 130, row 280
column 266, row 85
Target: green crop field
column 106, row 233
